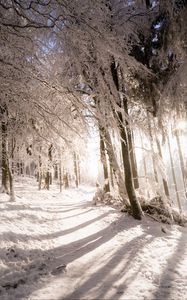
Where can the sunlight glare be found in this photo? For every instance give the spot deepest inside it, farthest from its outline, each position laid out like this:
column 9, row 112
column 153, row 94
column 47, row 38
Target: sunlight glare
column 181, row 125
column 93, row 166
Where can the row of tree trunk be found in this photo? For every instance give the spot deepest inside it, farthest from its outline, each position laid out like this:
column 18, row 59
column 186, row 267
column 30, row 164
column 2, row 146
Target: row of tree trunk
column 7, row 176
column 128, row 182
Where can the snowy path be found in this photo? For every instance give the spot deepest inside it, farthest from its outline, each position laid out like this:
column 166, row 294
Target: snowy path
column 107, row 254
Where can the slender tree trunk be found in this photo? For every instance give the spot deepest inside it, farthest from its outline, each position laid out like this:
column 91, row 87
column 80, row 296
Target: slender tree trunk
column 111, row 176
column 10, row 173
column 152, row 147
column 65, row 179
column 79, row 169
column 181, row 160
column 76, row 169
column 48, row 178
column 21, row 168
column 50, row 163
column 60, row 174
column 144, row 164
column 133, row 159
column 27, row 170
column 104, row 163
column 13, row 168
column 173, row 175
column 13, row 145
column 165, row 183
column 56, row 171
column 4, row 146
column 11, row 182
column 40, row 173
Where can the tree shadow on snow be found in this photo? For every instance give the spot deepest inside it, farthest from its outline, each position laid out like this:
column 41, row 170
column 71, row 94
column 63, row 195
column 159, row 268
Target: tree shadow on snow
column 106, row 277
column 18, row 237
column 53, row 209
column 37, row 263
column 170, row 273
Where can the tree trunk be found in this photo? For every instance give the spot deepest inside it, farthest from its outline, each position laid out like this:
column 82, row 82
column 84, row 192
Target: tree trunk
column 4, row 144
column 20, row 167
column 79, row 169
column 76, row 169
column 148, row 4
column 144, row 164
column 133, row 159
column 13, row 145
column 56, row 171
column 152, row 148
column 116, row 169
column 104, row 163
column 173, row 175
column 60, row 175
column 111, row 176
column 10, row 173
column 47, row 180
column 48, row 177
column 11, row 182
column 50, row 163
column 165, row 183
column 125, row 133
column 65, row 180
column 181, row 160
column 39, row 173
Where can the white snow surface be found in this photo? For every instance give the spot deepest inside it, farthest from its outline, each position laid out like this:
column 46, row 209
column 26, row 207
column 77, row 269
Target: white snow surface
column 60, row 246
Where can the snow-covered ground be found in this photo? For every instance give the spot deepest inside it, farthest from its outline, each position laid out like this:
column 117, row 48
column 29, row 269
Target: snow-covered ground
column 60, row 246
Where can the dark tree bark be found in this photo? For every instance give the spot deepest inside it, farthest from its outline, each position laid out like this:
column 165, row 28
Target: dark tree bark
column 125, row 133
column 39, row 174
column 148, row 4
column 47, row 180
column 48, row 177
column 20, row 167
column 56, row 173
column 10, row 173
column 4, row 145
column 13, row 145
